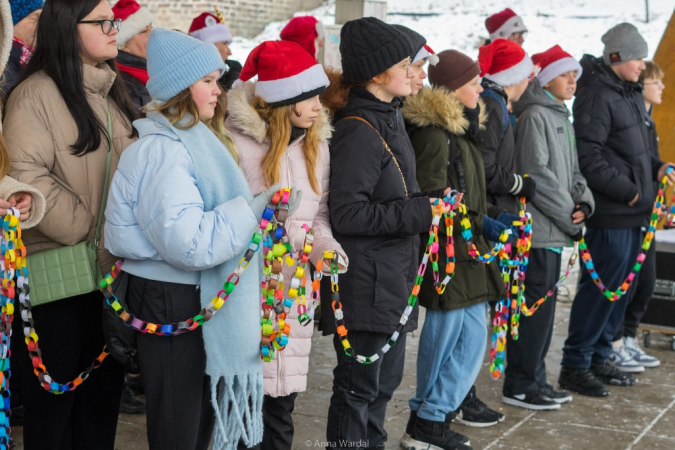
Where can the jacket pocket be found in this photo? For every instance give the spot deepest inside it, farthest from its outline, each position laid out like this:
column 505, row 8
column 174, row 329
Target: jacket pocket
column 391, row 261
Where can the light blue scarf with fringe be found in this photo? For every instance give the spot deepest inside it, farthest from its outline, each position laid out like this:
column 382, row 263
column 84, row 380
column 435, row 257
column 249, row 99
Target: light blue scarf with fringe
column 232, row 336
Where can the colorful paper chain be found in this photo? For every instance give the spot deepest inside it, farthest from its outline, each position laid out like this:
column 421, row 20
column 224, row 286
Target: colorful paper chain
column 269, row 225
column 513, row 275
column 646, row 243
column 430, row 254
column 570, row 264
column 467, row 234
column 275, row 330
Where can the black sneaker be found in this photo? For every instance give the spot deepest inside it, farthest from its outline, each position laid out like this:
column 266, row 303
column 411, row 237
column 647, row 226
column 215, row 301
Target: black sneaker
column 426, row 434
column 474, row 413
column 582, row 381
column 557, row 396
column 609, row 374
column 405, row 439
column 532, row 400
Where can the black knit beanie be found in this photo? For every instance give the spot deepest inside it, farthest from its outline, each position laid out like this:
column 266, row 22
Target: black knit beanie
column 417, row 39
column 369, row 47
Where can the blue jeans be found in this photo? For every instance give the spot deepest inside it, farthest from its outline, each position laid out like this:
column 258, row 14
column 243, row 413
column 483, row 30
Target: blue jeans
column 451, row 351
column 594, row 320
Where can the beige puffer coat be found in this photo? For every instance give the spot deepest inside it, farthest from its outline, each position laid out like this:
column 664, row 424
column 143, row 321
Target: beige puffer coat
column 39, row 131
column 287, row 373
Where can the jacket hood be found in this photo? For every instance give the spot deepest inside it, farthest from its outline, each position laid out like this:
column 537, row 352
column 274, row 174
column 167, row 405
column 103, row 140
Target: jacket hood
column 436, row 106
column 148, row 127
column 247, row 120
column 536, row 95
column 597, row 73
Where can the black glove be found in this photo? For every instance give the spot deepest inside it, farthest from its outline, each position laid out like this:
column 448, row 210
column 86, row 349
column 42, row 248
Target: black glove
column 528, row 190
column 577, row 237
column 584, row 208
column 492, row 229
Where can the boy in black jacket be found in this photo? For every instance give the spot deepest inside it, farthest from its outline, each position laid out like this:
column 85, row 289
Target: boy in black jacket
column 615, row 158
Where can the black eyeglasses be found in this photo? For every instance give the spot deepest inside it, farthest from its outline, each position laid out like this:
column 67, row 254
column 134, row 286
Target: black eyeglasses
column 107, row 25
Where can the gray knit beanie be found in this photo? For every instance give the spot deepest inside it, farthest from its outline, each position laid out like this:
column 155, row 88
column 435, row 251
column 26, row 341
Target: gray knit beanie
column 369, row 47
column 623, row 42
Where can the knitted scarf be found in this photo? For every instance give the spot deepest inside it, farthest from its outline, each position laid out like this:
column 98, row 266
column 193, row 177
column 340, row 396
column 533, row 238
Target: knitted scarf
column 232, row 337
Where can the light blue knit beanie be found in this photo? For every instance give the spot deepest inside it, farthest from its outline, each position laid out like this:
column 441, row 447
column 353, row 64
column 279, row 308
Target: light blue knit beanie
column 176, row 61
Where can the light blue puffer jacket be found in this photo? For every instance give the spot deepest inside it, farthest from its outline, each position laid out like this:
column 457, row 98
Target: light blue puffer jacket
column 165, row 234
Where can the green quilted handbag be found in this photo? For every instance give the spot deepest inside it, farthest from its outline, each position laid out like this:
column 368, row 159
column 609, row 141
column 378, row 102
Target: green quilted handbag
column 71, row 270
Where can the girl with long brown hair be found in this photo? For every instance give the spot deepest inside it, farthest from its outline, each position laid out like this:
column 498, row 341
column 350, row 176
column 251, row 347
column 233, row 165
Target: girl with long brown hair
column 281, row 131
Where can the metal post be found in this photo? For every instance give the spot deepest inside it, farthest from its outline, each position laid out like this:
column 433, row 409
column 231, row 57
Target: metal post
column 647, row 11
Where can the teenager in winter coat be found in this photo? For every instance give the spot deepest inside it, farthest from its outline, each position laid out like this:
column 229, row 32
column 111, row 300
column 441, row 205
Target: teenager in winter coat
column 652, row 81
column 56, row 132
column 506, row 69
column 377, row 214
column 181, row 214
column 444, row 122
column 132, row 42
column 281, row 132
column 545, row 149
column 422, row 54
column 615, row 157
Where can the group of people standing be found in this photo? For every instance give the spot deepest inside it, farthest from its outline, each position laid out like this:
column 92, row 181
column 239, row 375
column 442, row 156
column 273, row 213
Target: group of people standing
column 367, row 153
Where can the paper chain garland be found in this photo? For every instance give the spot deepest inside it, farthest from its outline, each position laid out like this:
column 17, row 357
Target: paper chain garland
column 430, row 254
column 646, row 243
column 275, row 330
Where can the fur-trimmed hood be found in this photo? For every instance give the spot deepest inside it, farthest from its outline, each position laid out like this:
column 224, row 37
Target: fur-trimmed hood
column 246, row 119
column 436, row 106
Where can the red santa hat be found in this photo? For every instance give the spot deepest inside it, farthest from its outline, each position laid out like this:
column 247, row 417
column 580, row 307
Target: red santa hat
column 504, row 24
column 286, row 74
column 504, row 62
column 304, row 30
column 208, row 28
column 553, row 62
column 134, row 19
column 426, row 52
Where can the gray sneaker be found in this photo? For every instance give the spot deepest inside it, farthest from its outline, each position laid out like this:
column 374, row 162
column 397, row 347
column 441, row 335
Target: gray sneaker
column 633, row 348
column 623, row 361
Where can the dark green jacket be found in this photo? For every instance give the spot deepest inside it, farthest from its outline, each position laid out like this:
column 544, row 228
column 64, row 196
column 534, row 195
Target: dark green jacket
column 448, row 154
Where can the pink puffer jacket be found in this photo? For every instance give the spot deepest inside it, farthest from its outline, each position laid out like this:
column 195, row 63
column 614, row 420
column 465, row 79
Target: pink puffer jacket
column 287, row 373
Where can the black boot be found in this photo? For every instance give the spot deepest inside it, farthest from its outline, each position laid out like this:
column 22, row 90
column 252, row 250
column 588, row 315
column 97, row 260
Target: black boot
column 135, row 383
column 426, row 434
column 131, row 403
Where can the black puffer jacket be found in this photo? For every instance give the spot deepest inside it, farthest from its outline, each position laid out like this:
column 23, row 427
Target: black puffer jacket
column 231, row 75
column 136, row 88
column 498, row 149
column 613, row 143
column 376, row 224
column 13, row 68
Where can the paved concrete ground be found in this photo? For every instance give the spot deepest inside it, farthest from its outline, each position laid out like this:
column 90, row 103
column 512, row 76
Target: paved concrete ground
column 636, row 418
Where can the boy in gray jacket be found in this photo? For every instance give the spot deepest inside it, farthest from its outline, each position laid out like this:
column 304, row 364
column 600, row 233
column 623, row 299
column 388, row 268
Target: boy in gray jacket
column 545, row 149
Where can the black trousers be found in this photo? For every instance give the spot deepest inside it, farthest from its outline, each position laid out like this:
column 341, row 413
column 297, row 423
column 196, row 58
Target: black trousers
column 177, row 390
column 361, row 391
column 642, row 293
column 278, row 422
column 525, row 357
column 71, row 337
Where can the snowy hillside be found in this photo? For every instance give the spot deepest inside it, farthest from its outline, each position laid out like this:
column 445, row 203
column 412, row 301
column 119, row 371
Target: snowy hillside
column 576, row 25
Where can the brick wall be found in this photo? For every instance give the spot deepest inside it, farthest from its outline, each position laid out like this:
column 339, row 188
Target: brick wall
column 245, row 18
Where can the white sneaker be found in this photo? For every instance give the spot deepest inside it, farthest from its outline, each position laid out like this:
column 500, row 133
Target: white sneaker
column 633, row 348
column 623, row 361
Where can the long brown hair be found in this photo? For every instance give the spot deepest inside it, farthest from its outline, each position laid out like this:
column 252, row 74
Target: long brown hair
column 278, row 135
column 4, row 157
column 182, row 104
column 336, row 95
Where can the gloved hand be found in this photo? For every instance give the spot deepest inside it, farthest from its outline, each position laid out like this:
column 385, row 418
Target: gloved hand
column 294, row 201
column 492, row 229
column 577, row 237
column 508, row 219
column 529, row 189
column 261, row 200
column 584, row 208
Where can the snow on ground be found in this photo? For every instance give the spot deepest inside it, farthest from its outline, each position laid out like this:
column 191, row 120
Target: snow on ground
column 576, row 25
